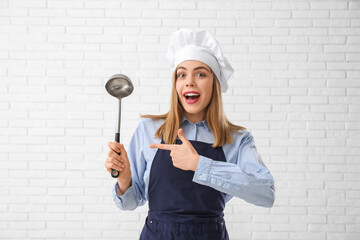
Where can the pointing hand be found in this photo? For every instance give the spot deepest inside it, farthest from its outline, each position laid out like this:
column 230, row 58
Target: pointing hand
column 184, row 156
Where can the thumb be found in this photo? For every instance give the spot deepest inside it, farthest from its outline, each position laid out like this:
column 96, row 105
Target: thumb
column 122, row 150
column 182, row 136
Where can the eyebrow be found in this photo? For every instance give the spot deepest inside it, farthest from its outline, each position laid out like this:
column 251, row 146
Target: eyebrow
column 197, row 68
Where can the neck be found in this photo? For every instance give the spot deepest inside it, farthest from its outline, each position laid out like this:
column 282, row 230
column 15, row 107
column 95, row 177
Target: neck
column 194, row 118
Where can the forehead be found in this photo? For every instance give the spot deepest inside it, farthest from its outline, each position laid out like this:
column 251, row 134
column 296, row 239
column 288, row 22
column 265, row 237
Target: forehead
column 192, row 64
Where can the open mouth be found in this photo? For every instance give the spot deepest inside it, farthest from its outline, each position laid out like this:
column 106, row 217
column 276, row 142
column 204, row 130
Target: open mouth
column 191, row 97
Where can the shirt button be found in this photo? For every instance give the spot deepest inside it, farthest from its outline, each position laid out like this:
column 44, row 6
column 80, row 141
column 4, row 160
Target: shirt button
column 150, row 221
column 193, row 127
column 219, row 183
column 200, row 176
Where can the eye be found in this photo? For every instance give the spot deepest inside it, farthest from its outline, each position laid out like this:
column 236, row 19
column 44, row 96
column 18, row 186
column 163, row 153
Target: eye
column 200, row 75
column 181, row 75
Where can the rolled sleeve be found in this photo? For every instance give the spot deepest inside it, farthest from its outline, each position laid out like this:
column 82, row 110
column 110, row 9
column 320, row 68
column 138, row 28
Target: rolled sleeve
column 127, row 201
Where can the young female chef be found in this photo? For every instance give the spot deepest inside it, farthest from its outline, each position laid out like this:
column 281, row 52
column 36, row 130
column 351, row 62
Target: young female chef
column 190, row 161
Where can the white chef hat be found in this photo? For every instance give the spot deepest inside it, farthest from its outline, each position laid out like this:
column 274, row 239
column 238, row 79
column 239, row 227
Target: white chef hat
column 201, row 46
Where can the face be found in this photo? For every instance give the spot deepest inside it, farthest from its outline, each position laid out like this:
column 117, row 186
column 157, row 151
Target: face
column 194, row 86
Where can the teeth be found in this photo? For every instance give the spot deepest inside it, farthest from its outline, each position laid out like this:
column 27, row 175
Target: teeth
column 191, row 94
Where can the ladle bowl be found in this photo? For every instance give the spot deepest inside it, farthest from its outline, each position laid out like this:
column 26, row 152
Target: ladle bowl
column 119, row 86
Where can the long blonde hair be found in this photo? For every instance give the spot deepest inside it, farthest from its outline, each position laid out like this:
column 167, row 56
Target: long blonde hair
column 219, row 125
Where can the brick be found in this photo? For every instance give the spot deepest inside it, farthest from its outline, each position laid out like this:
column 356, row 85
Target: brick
column 341, row 49
column 89, row 234
column 349, row 236
column 177, row 6
column 109, row 4
column 85, row 200
column 135, row 4
column 327, row 108
column 351, row 177
column 203, row 14
column 83, row 216
column 331, row 23
column 291, row 5
column 13, row 233
column 353, row 194
column 272, row 14
column 344, row 14
column 14, row 12
column 355, row 22
column 309, row 100
column 46, row 165
column 65, row 21
column 111, row 233
column 308, row 236
column 46, row 234
column 64, row 4
column 27, row 225
column 63, row 208
column 353, row 57
column 281, row 227
column 314, row 14
column 28, row 4
column 309, row 219
column 354, row 5
column 47, row 12
column 337, row 211
column 329, row 5
column 64, row 225
column 189, row 23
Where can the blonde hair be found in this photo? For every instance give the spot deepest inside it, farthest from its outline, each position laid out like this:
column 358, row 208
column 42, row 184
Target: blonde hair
column 219, row 125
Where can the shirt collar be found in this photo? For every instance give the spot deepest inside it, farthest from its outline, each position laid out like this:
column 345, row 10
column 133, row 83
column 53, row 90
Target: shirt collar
column 186, row 121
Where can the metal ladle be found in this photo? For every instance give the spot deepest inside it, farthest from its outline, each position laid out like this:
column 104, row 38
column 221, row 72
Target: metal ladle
column 119, row 86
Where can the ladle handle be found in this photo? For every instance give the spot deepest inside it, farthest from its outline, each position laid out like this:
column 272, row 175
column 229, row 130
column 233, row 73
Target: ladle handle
column 115, row 173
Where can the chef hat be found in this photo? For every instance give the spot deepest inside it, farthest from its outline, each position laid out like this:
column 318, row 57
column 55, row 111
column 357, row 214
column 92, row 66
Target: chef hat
column 200, row 46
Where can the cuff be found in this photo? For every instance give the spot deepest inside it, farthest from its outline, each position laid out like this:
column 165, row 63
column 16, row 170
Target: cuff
column 202, row 172
column 121, row 199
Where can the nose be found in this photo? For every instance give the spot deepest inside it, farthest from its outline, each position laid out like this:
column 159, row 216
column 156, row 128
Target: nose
column 190, row 81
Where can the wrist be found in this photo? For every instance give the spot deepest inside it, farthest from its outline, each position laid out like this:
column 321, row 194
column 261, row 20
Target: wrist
column 123, row 186
column 118, row 190
column 196, row 161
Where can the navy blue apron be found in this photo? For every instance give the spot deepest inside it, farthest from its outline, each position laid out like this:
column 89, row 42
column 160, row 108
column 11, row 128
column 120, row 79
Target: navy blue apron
column 180, row 209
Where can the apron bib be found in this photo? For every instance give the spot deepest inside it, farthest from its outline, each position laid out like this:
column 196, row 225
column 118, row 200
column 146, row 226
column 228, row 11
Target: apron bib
column 180, row 209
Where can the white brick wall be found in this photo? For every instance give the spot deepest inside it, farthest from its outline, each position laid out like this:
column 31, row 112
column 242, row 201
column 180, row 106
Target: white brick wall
column 296, row 87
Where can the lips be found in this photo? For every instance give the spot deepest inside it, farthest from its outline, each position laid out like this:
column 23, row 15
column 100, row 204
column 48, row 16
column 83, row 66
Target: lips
column 191, row 97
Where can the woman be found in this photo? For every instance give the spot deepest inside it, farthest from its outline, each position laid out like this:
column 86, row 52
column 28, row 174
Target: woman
column 189, row 162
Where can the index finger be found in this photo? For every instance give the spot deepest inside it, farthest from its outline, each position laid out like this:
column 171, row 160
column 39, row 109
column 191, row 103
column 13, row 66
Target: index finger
column 113, row 147
column 163, row 146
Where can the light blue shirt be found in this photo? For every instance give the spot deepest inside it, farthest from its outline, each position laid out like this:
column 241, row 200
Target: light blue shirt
column 243, row 175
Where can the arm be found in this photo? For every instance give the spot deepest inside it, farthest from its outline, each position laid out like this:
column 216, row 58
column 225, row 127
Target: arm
column 134, row 196
column 244, row 175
